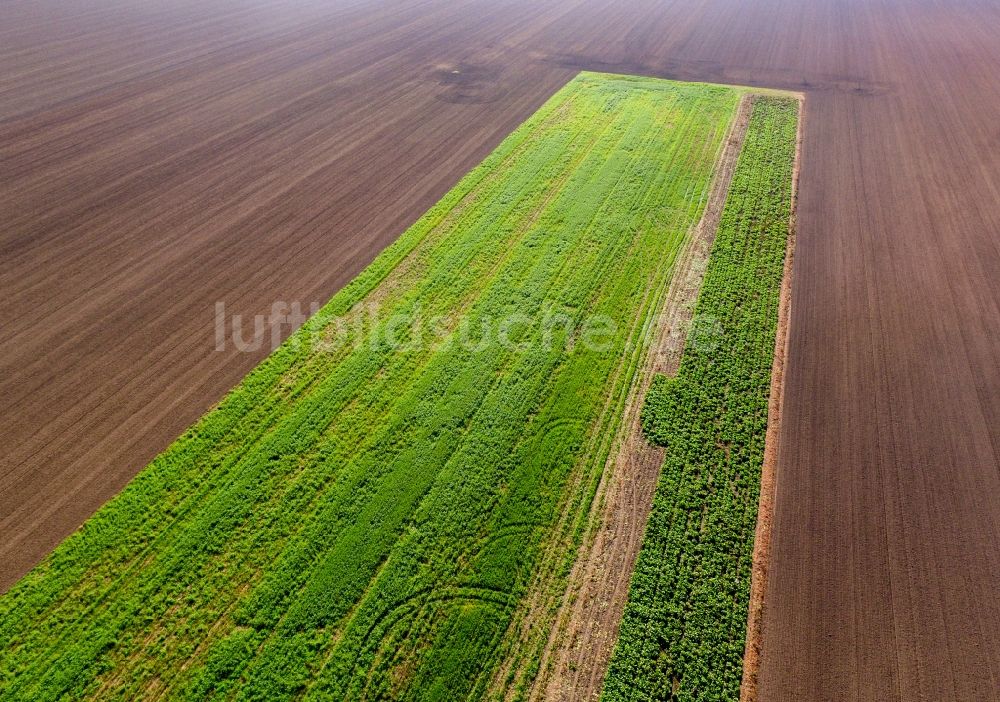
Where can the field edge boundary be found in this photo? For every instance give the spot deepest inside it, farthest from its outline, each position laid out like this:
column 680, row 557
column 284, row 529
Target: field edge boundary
column 760, row 564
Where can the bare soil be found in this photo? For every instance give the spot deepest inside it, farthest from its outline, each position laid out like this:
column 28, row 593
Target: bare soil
column 160, row 157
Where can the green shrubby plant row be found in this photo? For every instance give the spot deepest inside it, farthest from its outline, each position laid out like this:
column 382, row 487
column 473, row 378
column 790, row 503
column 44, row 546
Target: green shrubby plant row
column 684, row 629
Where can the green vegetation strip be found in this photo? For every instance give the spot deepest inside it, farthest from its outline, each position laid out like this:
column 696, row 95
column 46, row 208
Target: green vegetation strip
column 362, row 517
column 683, row 634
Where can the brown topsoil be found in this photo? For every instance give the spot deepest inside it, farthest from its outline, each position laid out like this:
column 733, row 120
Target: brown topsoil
column 160, row 157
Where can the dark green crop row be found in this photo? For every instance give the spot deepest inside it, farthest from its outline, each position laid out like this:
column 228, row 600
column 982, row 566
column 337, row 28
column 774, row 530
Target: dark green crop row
column 684, row 629
column 364, row 519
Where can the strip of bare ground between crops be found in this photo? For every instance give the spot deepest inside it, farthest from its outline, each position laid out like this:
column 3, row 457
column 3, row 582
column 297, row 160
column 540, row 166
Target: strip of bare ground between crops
column 579, row 647
column 768, row 474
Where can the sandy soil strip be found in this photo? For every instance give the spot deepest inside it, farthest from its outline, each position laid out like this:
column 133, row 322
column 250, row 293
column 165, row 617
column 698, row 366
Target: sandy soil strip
column 579, row 646
column 768, row 477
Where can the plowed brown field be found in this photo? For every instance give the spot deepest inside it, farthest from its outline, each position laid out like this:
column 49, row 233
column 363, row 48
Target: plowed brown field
column 156, row 158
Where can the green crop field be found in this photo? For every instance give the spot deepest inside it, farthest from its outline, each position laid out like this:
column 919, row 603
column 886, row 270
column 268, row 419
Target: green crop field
column 683, row 633
column 373, row 511
column 364, row 515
